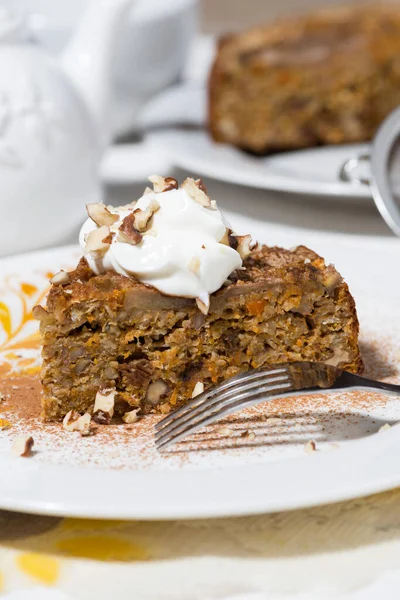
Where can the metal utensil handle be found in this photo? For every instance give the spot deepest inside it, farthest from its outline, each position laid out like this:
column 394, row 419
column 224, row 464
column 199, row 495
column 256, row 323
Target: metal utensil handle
column 346, row 172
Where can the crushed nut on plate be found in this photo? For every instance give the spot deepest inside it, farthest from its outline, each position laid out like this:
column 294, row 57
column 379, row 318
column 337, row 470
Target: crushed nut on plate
column 73, row 421
column 310, row 447
column 131, row 416
column 104, row 406
column 385, row 427
column 22, row 446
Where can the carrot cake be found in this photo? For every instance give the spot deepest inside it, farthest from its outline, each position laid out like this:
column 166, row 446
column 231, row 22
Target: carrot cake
column 168, row 301
column 329, row 77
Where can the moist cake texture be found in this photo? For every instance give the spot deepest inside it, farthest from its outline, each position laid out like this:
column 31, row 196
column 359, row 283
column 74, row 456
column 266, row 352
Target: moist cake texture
column 111, row 331
column 326, row 78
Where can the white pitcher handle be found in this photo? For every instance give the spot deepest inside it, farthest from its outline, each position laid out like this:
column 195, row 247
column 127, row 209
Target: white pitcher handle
column 347, row 170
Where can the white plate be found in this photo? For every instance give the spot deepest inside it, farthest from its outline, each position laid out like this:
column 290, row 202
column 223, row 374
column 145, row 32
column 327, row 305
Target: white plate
column 314, row 171
column 86, row 477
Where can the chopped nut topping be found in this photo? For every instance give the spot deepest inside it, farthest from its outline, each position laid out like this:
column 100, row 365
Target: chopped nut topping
column 213, row 204
column 202, row 306
column 2, row 397
column 310, row 447
column 131, row 416
column 100, row 214
column 245, row 245
column 70, row 420
column 22, row 446
column 147, row 190
column 198, row 389
column 194, row 190
column 104, row 406
column 61, row 278
column 163, row 184
column 307, row 261
column 156, row 391
column 385, row 427
column 107, row 240
column 194, row 264
column 229, row 239
column 95, row 243
column 128, row 232
column 142, row 217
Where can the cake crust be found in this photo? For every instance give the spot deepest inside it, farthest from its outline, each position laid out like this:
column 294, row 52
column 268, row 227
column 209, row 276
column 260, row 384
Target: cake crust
column 113, row 331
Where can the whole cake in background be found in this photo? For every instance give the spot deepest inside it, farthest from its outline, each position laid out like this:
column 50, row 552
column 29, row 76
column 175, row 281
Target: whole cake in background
column 167, row 301
column 325, row 78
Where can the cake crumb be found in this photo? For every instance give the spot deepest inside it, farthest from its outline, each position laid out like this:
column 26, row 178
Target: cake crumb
column 4, row 424
column 2, row 397
column 310, row 447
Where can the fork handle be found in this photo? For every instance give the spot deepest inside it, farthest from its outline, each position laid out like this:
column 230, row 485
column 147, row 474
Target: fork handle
column 350, row 380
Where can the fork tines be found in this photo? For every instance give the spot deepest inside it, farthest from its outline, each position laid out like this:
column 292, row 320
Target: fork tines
column 241, row 391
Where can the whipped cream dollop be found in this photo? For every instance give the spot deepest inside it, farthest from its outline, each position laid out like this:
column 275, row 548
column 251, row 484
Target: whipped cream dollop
column 181, row 246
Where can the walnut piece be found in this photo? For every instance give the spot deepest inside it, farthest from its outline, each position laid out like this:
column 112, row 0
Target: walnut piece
column 100, row 214
column 104, row 406
column 142, row 217
column 163, row 184
column 245, row 245
column 198, row 389
column 229, row 239
column 131, row 416
column 128, row 232
column 73, row 421
column 22, row 446
column 156, row 391
column 203, row 306
column 95, row 243
column 61, row 278
column 384, row 427
column 70, row 419
column 310, row 447
column 83, row 425
column 195, row 189
column 147, row 190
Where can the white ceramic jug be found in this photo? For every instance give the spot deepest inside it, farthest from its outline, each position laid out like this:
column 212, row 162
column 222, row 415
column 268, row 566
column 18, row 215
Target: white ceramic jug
column 54, row 126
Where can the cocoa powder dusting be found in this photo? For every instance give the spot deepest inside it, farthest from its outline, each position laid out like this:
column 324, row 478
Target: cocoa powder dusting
column 279, row 428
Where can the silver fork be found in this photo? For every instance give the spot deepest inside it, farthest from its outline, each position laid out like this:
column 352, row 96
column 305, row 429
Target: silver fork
column 254, row 387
